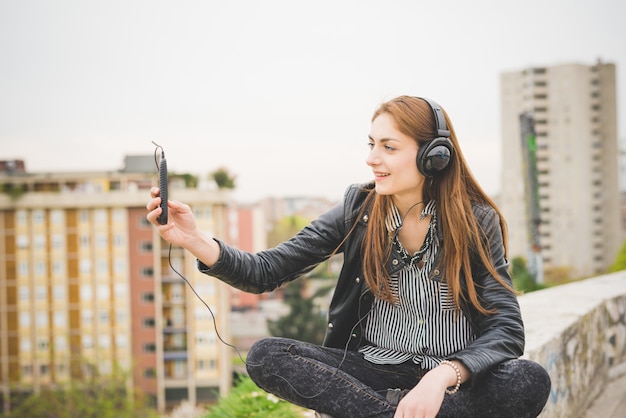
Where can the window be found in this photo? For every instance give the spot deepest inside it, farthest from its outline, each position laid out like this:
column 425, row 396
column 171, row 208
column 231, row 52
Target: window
column 21, row 217
column 41, row 292
column 103, row 292
column 120, row 290
column 147, row 272
column 121, row 340
column 148, row 322
column 56, row 217
column 24, row 319
column 86, row 316
column 59, row 319
column 22, row 268
column 143, row 222
column 58, row 268
column 119, row 266
column 38, row 217
column 60, row 343
column 42, row 344
column 42, row 319
column 39, row 241
column 149, row 347
column 146, row 246
column 25, row 345
column 40, row 268
column 86, row 292
column 119, row 215
column 22, row 242
column 87, row 341
column 85, row 266
column 104, row 341
column 27, row 370
column 102, row 240
column 100, row 216
column 148, row 297
column 103, row 316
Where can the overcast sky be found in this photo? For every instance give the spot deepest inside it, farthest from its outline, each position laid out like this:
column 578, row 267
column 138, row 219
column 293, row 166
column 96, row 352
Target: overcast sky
column 280, row 92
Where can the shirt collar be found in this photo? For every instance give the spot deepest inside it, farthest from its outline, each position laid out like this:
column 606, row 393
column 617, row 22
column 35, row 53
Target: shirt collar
column 394, row 219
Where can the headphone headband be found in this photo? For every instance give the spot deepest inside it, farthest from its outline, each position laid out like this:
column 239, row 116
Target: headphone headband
column 441, row 128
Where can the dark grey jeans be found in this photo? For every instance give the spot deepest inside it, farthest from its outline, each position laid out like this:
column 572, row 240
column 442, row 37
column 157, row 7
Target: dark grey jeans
column 307, row 375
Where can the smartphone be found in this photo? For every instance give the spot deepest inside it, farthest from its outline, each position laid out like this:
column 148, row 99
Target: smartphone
column 163, row 189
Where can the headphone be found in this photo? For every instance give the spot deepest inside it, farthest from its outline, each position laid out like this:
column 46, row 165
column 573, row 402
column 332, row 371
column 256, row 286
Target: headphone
column 433, row 156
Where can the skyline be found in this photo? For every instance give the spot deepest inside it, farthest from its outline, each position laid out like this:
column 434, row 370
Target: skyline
column 280, row 94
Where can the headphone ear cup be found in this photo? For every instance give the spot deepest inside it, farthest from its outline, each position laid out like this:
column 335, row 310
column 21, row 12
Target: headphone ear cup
column 434, row 156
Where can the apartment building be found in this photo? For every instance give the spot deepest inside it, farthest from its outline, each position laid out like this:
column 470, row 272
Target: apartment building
column 560, row 192
column 87, row 286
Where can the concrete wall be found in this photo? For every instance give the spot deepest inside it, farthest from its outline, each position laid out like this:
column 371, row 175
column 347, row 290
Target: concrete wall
column 578, row 333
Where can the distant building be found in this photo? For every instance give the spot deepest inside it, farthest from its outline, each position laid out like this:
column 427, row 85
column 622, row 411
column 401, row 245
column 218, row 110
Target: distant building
column 86, row 285
column 568, row 170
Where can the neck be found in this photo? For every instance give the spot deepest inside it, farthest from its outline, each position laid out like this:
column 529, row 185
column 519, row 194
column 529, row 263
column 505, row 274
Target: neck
column 406, row 204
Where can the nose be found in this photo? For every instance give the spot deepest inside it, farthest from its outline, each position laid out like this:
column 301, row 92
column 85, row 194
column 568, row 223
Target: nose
column 372, row 158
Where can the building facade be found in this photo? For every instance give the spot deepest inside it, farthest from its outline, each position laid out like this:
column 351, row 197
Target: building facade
column 87, row 286
column 564, row 169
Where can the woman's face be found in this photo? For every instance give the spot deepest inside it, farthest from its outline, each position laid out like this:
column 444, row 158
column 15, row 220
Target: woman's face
column 392, row 158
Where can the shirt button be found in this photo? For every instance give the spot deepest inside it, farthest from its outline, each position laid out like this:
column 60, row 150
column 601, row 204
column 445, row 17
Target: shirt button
column 353, row 335
column 394, row 262
column 436, row 271
column 365, row 218
column 358, row 280
column 330, row 325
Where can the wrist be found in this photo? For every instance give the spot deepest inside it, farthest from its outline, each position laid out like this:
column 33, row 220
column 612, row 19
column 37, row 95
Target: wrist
column 455, row 376
column 205, row 248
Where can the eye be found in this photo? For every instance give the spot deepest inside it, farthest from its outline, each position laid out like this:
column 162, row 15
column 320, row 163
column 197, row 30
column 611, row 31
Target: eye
column 389, row 148
column 370, row 145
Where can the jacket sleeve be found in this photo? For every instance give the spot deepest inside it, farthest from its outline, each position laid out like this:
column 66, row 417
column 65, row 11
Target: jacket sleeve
column 269, row 269
column 499, row 336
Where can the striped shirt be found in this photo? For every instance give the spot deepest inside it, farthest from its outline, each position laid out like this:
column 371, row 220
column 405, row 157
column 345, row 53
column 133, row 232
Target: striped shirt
column 423, row 326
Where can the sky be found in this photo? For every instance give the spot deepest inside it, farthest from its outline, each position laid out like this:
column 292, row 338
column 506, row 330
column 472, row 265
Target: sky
column 278, row 92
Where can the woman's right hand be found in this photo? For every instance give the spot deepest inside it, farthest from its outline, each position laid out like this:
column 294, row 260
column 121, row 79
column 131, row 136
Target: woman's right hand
column 181, row 228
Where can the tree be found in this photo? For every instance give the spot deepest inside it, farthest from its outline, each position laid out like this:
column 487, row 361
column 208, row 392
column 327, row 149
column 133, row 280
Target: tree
column 523, row 281
column 285, row 228
column 223, row 178
column 304, row 321
column 99, row 397
column 620, row 260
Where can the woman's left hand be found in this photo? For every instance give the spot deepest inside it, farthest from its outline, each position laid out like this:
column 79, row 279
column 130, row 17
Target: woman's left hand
column 425, row 399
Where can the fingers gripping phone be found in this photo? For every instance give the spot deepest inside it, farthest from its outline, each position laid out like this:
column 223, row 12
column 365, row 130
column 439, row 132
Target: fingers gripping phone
column 162, row 164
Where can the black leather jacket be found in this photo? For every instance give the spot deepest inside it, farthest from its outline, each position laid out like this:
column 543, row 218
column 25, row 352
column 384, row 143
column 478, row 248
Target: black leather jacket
column 499, row 337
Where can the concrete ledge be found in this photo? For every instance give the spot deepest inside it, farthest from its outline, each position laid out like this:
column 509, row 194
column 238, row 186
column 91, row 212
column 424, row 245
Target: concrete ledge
column 577, row 332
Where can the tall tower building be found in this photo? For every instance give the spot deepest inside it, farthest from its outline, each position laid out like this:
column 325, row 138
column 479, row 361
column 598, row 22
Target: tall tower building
column 87, row 285
column 562, row 167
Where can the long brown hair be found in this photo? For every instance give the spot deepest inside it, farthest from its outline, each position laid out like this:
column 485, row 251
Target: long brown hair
column 455, row 190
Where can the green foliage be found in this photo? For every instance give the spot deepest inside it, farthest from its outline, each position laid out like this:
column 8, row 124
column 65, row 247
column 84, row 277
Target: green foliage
column 304, row 322
column 191, row 181
column 247, row 400
column 102, row 397
column 14, row 191
column 223, row 178
column 523, row 281
column 620, row 260
column 286, row 228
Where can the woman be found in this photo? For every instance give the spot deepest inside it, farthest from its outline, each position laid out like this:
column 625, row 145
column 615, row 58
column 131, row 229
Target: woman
column 424, row 321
